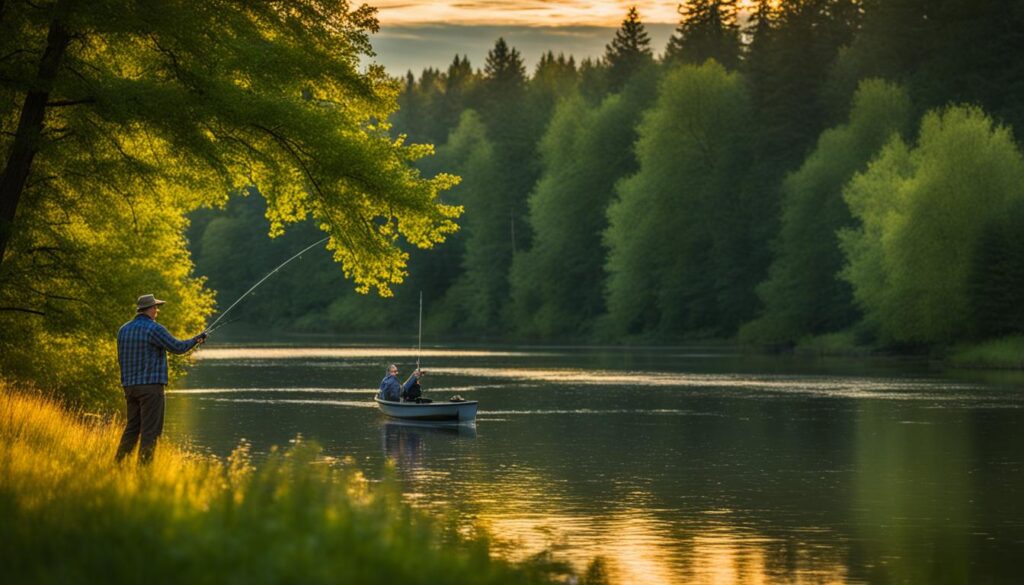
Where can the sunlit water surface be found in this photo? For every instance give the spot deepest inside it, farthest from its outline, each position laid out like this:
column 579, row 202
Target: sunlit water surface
column 673, row 465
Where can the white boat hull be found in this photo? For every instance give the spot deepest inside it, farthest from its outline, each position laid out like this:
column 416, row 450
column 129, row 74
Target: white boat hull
column 429, row 411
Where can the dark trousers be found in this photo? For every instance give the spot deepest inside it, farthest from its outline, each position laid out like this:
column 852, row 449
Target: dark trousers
column 145, row 419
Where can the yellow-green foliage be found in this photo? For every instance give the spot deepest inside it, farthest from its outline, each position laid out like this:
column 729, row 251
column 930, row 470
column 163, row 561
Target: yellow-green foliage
column 923, row 209
column 106, row 253
column 69, row 514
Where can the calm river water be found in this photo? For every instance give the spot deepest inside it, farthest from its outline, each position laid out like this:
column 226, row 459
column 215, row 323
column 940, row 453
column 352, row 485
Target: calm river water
column 674, row 465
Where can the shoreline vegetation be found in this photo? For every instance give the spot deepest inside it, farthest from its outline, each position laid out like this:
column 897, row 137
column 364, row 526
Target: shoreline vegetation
column 72, row 515
column 1005, row 353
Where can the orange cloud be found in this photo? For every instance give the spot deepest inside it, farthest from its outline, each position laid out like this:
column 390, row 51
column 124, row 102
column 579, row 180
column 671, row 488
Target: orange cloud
column 522, row 12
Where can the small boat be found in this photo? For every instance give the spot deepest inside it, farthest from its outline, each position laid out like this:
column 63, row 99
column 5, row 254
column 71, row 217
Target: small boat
column 457, row 410
column 462, row 411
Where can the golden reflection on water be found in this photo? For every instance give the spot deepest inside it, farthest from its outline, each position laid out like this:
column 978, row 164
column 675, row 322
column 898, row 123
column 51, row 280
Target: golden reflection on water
column 846, row 387
column 638, row 547
column 641, row 549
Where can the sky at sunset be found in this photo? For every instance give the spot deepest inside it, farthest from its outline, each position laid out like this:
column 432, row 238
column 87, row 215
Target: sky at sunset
column 521, row 12
column 415, row 35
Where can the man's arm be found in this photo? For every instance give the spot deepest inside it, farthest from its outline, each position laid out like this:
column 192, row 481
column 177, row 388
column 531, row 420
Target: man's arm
column 413, row 378
column 162, row 337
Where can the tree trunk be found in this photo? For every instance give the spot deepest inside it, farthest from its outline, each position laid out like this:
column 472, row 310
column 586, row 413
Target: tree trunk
column 30, row 131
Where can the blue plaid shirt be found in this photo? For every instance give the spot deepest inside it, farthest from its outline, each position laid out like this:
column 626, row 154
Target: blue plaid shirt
column 142, row 346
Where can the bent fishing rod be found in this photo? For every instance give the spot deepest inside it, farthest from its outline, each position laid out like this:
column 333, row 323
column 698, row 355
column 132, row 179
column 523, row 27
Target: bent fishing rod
column 213, row 327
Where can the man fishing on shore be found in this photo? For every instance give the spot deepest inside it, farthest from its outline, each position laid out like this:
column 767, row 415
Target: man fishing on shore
column 142, row 346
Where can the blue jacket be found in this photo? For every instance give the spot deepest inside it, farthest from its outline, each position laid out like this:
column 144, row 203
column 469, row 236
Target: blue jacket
column 142, row 346
column 391, row 390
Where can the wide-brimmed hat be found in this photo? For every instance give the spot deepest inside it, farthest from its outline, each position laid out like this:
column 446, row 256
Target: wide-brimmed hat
column 147, row 301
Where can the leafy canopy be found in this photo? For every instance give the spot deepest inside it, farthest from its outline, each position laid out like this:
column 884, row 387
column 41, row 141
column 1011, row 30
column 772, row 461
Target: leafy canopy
column 155, row 109
column 214, row 97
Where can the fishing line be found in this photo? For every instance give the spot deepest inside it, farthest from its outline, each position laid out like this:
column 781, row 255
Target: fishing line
column 419, row 340
column 224, row 324
column 269, row 274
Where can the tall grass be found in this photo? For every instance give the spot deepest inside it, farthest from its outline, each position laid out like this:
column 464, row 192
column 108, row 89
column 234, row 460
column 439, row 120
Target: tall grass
column 69, row 514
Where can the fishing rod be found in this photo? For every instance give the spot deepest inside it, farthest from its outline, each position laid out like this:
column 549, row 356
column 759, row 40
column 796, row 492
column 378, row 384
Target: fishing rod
column 419, row 340
column 213, row 326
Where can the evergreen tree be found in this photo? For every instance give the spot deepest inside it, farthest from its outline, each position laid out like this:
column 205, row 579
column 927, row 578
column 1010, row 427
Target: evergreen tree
column 707, row 30
column 593, row 80
column 629, row 51
column 460, row 82
column 503, row 92
column 996, row 282
column 504, row 72
column 553, row 78
column 418, row 104
column 429, row 108
column 943, row 51
column 459, row 76
column 758, row 57
column 803, row 40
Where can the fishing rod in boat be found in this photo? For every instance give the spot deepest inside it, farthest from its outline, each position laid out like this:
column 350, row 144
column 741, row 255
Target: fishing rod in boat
column 213, row 327
column 419, row 338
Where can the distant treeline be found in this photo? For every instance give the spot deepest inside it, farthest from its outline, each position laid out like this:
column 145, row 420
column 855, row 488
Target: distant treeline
column 831, row 167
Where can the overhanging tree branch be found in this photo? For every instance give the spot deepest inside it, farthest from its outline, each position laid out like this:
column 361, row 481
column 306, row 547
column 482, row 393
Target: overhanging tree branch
column 30, row 128
column 22, row 310
column 66, row 103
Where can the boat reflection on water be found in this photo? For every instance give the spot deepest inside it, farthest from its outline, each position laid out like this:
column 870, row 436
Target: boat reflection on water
column 406, row 442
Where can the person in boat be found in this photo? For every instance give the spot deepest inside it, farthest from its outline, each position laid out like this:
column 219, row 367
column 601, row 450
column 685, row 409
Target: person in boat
column 392, row 390
column 414, row 393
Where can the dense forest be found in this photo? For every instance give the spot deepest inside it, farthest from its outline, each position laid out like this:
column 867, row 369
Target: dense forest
column 835, row 169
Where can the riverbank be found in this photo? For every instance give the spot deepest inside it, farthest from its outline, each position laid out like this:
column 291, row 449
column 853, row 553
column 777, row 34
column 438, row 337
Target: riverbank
column 1006, row 353
column 72, row 515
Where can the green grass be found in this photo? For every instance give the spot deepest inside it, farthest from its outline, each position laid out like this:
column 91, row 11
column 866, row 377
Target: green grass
column 68, row 514
column 1005, row 353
